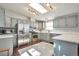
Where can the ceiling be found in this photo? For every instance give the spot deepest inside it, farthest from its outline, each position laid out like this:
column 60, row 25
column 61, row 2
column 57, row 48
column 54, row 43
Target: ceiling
column 59, row 9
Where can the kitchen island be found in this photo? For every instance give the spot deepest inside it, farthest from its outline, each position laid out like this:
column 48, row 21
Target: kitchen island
column 66, row 44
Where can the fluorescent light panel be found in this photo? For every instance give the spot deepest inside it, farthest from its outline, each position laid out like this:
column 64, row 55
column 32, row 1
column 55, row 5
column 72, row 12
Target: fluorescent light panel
column 38, row 7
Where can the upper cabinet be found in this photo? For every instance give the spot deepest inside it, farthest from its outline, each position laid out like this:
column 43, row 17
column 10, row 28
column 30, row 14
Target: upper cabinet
column 25, row 21
column 55, row 23
column 71, row 21
column 78, row 20
column 2, row 17
column 8, row 21
column 20, row 21
column 65, row 22
column 14, row 22
column 62, row 23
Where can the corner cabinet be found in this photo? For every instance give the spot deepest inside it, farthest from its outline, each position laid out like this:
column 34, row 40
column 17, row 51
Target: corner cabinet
column 2, row 17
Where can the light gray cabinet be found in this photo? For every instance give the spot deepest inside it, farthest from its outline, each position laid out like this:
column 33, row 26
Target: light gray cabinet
column 32, row 24
column 59, row 23
column 14, row 22
column 55, row 23
column 71, row 21
column 6, row 43
column 2, row 17
column 62, row 22
column 8, row 21
column 24, row 21
column 66, row 48
column 20, row 21
column 78, row 20
column 66, row 22
column 44, row 36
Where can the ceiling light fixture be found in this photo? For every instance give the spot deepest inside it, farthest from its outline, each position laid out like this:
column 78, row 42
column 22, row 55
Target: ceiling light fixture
column 47, row 4
column 38, row 7
column 34, row 13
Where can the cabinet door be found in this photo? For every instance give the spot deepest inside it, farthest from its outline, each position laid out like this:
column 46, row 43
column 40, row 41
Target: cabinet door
column 14, row 22
column 20, row 21
column 55, row 23
column 2, row 18
column 36, row 25
column 8, row 21
column 71, row 21
column 24, row 22
column 78, row 20
column 32, row 24
column 62, row 23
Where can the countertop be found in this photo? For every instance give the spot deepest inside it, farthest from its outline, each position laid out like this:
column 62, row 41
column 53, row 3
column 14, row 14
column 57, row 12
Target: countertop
column 6, row 36
column 68, row 36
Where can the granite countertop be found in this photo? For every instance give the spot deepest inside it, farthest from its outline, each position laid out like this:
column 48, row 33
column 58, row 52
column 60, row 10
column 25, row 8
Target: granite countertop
column 68, row 36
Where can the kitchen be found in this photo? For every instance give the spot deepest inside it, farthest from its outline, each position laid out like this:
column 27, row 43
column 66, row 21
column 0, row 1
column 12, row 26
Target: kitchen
column 58, row 24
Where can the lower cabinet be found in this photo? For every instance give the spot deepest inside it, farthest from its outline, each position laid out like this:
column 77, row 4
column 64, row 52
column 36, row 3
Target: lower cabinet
column 44, row 36
column 6, row 46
